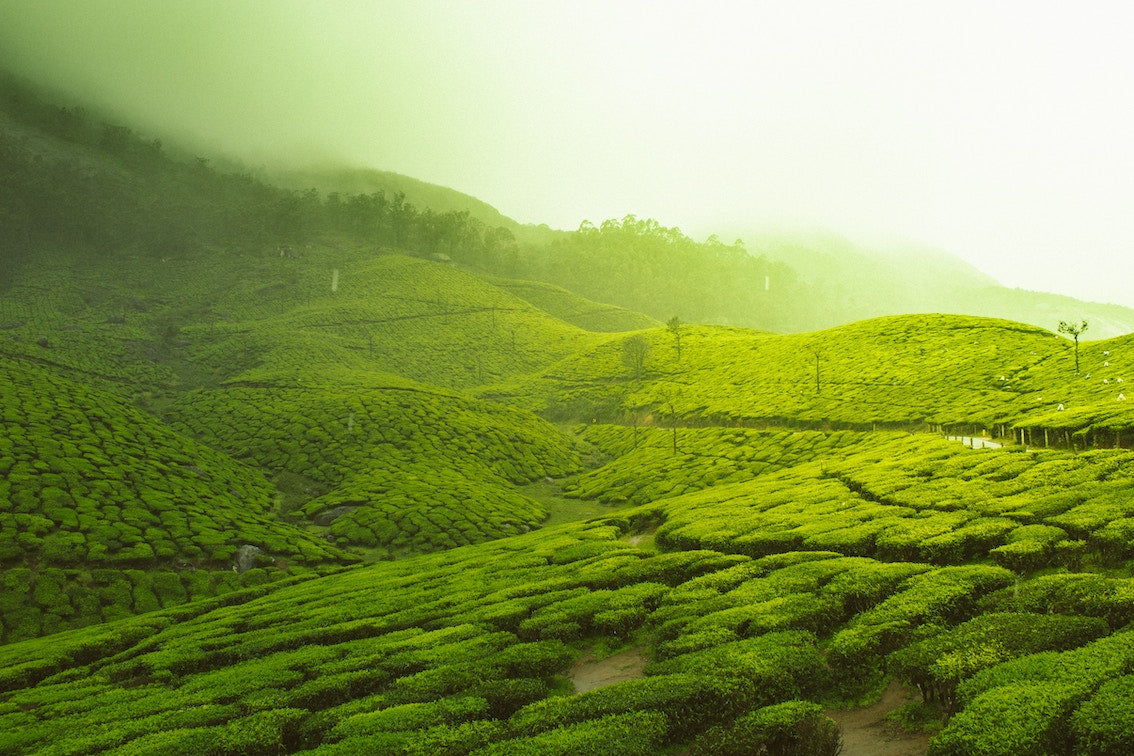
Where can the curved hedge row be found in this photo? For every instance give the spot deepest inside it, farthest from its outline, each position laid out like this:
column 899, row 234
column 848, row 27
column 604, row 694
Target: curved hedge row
column 397, row 469
column 906, row 370
column 48, row 600
column 645, row 467
column 1054, row 702
column 450, row 651
column 385, row 313
column 87, row 479
column 920, row 498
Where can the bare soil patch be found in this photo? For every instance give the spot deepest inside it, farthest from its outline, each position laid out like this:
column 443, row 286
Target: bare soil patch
column 645, row 538
column 588, row 673
column 866, row 733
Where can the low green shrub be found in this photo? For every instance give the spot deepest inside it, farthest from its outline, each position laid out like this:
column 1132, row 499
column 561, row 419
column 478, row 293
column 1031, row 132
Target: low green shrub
column 1017, row 719
column 412, row 716
column 690, row 703
column 639, row 733
column 937, row 665
column 1104, row 724
column 792, row 727
column 780, row 666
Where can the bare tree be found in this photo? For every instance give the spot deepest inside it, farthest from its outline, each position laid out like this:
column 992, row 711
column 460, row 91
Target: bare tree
column 635, row 352
column 818, row 353
column 674, row 325
column 1073, row 331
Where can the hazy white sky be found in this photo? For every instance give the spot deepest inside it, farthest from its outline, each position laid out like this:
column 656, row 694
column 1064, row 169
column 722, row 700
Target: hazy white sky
column 1000, row 131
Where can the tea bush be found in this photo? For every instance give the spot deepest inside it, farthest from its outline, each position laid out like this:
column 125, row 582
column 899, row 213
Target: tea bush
column 1027, row 704
column 401, row 470
column 938, row 664
column 1103, row 723
column 797, row 727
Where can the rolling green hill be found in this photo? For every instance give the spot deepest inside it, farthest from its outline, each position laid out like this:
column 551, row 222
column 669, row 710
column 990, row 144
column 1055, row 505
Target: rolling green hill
column 90, row 480
column 107, row 512
column 851, row 282
column 467, row 650
column 398, row 468
column 136, row 324
column 915, row 371
column 278, row 473
column 574, row 309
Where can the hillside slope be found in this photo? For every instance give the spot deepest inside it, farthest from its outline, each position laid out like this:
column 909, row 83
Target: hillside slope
column 75, row 182
column 272, row 480
column 106, row 512
column 913, row 371
column 396, row 468
column 847, row 573
column 441, row 199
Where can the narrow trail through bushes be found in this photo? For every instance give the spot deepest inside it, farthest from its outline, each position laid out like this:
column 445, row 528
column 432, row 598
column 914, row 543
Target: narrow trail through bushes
column 588, row 673
column 865, row 730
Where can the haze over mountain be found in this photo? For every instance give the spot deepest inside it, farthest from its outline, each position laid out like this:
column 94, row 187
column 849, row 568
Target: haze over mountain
column 995, row 132
column 359, row 464
column 139, row 192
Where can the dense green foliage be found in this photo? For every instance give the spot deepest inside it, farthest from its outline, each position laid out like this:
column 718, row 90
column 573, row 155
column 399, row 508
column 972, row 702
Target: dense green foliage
column 796, row 727
column 646, row 469
column 75, row 179
column 574, row 309
column 403, row 468
column 89, row 480
column 915, row 372
column 647, row 267
column 277, row 473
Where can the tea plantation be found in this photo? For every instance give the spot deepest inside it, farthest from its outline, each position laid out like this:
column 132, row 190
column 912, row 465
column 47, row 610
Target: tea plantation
column 284, row 506
column 399, row 467
column 911, row 372
column 466, row 650
column 285, row 473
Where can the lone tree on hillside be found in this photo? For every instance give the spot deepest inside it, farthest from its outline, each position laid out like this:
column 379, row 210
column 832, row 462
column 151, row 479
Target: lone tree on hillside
column 674, row 326
column 635, row 351
column 818, row 353
column 633, row 416
column 1073, row 331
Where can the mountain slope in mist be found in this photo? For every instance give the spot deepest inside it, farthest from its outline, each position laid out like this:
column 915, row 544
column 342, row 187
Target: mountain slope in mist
column 207, row 424
column 74, row 180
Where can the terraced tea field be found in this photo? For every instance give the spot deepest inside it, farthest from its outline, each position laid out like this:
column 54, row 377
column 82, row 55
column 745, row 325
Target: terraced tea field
column 302, row 504
column 465, row 650
column 285, row 473
column 397, row 468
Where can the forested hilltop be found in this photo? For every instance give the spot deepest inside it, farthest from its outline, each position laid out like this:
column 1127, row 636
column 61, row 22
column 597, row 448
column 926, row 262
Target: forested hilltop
column 77, row 178
column 288, row 471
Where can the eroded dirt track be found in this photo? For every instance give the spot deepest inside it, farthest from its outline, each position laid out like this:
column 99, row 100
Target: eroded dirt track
column 588, row 673
column 865, row 732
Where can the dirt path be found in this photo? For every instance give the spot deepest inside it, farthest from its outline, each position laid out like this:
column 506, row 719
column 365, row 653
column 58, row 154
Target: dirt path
column 976, row 443
column 865, row 732
column 588, row 673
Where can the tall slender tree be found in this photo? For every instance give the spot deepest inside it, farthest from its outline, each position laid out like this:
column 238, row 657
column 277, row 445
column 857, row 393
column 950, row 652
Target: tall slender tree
column 635, row 352
column 674, row 325
column 818, row 353
column 1073, row 331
